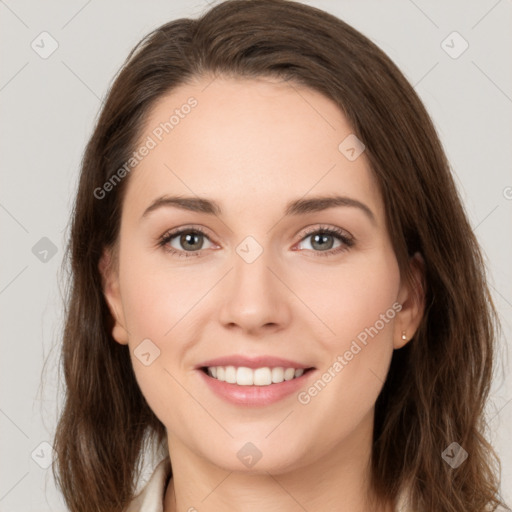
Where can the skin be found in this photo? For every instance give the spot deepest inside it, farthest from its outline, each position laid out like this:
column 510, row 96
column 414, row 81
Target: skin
column 252, row 146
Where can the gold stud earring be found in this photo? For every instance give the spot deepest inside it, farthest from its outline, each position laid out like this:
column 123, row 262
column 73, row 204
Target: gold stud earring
column 404, row 337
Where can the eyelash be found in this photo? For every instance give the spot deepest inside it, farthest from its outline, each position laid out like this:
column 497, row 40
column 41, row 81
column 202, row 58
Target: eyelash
column 342, row 236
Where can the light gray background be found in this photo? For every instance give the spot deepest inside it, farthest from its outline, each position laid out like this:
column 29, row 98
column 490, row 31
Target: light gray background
column 48, row 107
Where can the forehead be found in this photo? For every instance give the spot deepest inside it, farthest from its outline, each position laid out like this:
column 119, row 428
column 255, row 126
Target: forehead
column 248, row 143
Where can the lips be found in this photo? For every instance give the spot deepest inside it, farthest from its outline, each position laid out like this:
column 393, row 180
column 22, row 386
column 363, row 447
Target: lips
column 256, row 396
column 287, row 377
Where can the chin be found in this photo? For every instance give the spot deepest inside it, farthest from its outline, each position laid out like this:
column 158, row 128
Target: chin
column 257, row 456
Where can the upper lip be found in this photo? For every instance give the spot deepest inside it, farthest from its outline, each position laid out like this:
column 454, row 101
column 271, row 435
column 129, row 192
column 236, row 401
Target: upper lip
column 253, row 362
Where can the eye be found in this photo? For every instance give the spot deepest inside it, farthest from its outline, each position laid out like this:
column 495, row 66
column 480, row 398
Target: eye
column 323, row 238
column 185, row 242
column 188, row 242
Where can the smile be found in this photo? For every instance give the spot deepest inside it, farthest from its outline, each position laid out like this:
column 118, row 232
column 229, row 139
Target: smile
column 254, row 387
column 243, row 376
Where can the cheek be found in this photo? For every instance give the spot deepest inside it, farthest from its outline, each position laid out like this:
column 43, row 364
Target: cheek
column 157, row 298
column 369, row 294
column 350, row 298
column 358, row 303
column 158, row 310
column 167, row 306
column 360, row 307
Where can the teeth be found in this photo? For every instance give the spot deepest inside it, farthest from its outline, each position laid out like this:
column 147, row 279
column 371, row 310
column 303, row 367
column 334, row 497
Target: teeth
column 244, row 376
column 230, row 374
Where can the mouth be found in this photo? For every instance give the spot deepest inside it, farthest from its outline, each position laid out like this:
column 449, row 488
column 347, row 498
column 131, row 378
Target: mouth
column 262, row 377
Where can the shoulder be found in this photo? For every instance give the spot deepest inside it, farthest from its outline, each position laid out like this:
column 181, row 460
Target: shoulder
column 151, row 497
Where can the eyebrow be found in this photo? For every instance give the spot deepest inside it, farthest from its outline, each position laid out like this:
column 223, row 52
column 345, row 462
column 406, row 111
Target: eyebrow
column 296, row 207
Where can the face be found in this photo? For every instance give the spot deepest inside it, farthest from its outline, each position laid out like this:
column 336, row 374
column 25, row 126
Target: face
column 242, row 271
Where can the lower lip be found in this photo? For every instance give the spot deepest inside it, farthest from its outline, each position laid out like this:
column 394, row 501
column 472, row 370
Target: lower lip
column 255, row 395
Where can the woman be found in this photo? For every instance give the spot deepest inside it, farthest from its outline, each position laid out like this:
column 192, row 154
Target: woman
column 274, row 281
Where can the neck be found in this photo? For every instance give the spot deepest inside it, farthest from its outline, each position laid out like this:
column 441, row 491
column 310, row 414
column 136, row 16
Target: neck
column 337, row 480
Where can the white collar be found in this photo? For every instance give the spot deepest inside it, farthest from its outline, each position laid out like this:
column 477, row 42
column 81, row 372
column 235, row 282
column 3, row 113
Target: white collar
column 151, row 497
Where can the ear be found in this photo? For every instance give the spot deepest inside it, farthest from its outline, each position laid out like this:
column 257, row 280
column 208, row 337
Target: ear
column 412, row 298
column 111, row 291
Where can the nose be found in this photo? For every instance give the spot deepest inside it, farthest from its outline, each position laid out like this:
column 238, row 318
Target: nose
column 254, row 297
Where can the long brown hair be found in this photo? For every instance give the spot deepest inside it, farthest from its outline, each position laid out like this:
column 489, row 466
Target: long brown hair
column 437, row 384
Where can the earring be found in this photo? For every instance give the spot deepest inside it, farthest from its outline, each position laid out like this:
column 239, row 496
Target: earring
column 404, row 337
